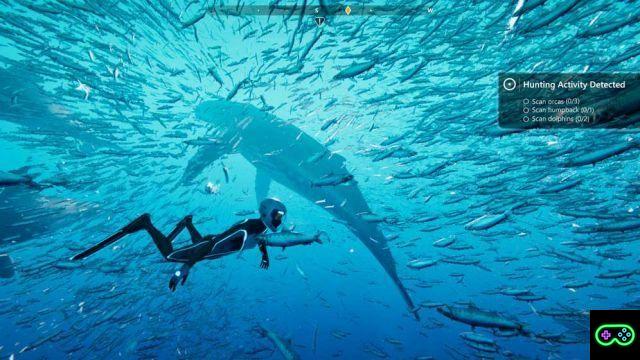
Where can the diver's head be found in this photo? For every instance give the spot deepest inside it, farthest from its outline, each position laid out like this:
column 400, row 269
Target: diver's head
column 272, row 213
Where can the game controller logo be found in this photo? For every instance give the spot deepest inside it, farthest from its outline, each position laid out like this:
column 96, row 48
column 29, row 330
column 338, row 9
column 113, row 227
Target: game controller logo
column 620, row 334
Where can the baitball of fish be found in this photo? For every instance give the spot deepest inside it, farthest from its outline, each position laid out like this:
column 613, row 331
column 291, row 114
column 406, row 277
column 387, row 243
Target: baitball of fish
column 6, row 266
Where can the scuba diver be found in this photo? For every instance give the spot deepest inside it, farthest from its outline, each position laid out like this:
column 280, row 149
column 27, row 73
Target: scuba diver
column 242, row 235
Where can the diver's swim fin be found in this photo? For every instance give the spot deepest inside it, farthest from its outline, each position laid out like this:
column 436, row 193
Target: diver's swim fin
column 141, row 222
column 101, row 245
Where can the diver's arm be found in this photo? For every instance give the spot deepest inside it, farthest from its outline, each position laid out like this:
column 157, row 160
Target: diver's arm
column 265, row 256
column 181, row 274
column 189, row 256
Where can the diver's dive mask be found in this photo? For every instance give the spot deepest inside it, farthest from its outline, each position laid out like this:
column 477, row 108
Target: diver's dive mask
column 272, row 213
column 277, row 217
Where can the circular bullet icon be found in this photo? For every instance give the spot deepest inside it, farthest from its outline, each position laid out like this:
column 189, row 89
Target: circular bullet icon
column 525, row 101
column 525, row 119
column 509, row 84
column 525, row 110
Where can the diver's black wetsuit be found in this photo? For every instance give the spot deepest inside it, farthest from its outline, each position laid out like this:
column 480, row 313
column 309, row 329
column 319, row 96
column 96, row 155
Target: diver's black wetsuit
column 237, row 238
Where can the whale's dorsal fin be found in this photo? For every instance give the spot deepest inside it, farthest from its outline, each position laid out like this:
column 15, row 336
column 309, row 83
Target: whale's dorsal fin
column 263, row 181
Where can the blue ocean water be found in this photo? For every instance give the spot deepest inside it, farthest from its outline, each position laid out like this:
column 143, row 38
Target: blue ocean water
column 112, row 109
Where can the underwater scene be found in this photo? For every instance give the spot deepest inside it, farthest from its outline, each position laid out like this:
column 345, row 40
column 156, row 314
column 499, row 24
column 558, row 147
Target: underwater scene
column 206, row 179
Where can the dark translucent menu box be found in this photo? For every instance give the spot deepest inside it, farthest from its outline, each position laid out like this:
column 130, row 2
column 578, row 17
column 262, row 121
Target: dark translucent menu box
column 569, row 100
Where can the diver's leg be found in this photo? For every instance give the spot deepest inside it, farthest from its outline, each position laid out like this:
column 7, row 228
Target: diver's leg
column 195, row 235
column 162, row 242
column 165, row 243
column 143, row 222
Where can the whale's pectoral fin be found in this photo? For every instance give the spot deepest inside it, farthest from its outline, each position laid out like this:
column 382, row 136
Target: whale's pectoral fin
column 205, row 156
column 263, row 181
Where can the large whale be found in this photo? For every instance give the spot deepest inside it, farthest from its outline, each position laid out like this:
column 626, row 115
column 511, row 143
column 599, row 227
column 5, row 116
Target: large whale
column 283, row 153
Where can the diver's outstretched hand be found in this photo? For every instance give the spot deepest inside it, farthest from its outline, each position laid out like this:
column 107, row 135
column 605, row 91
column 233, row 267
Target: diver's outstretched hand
column 179, row 275
column 264, row 264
